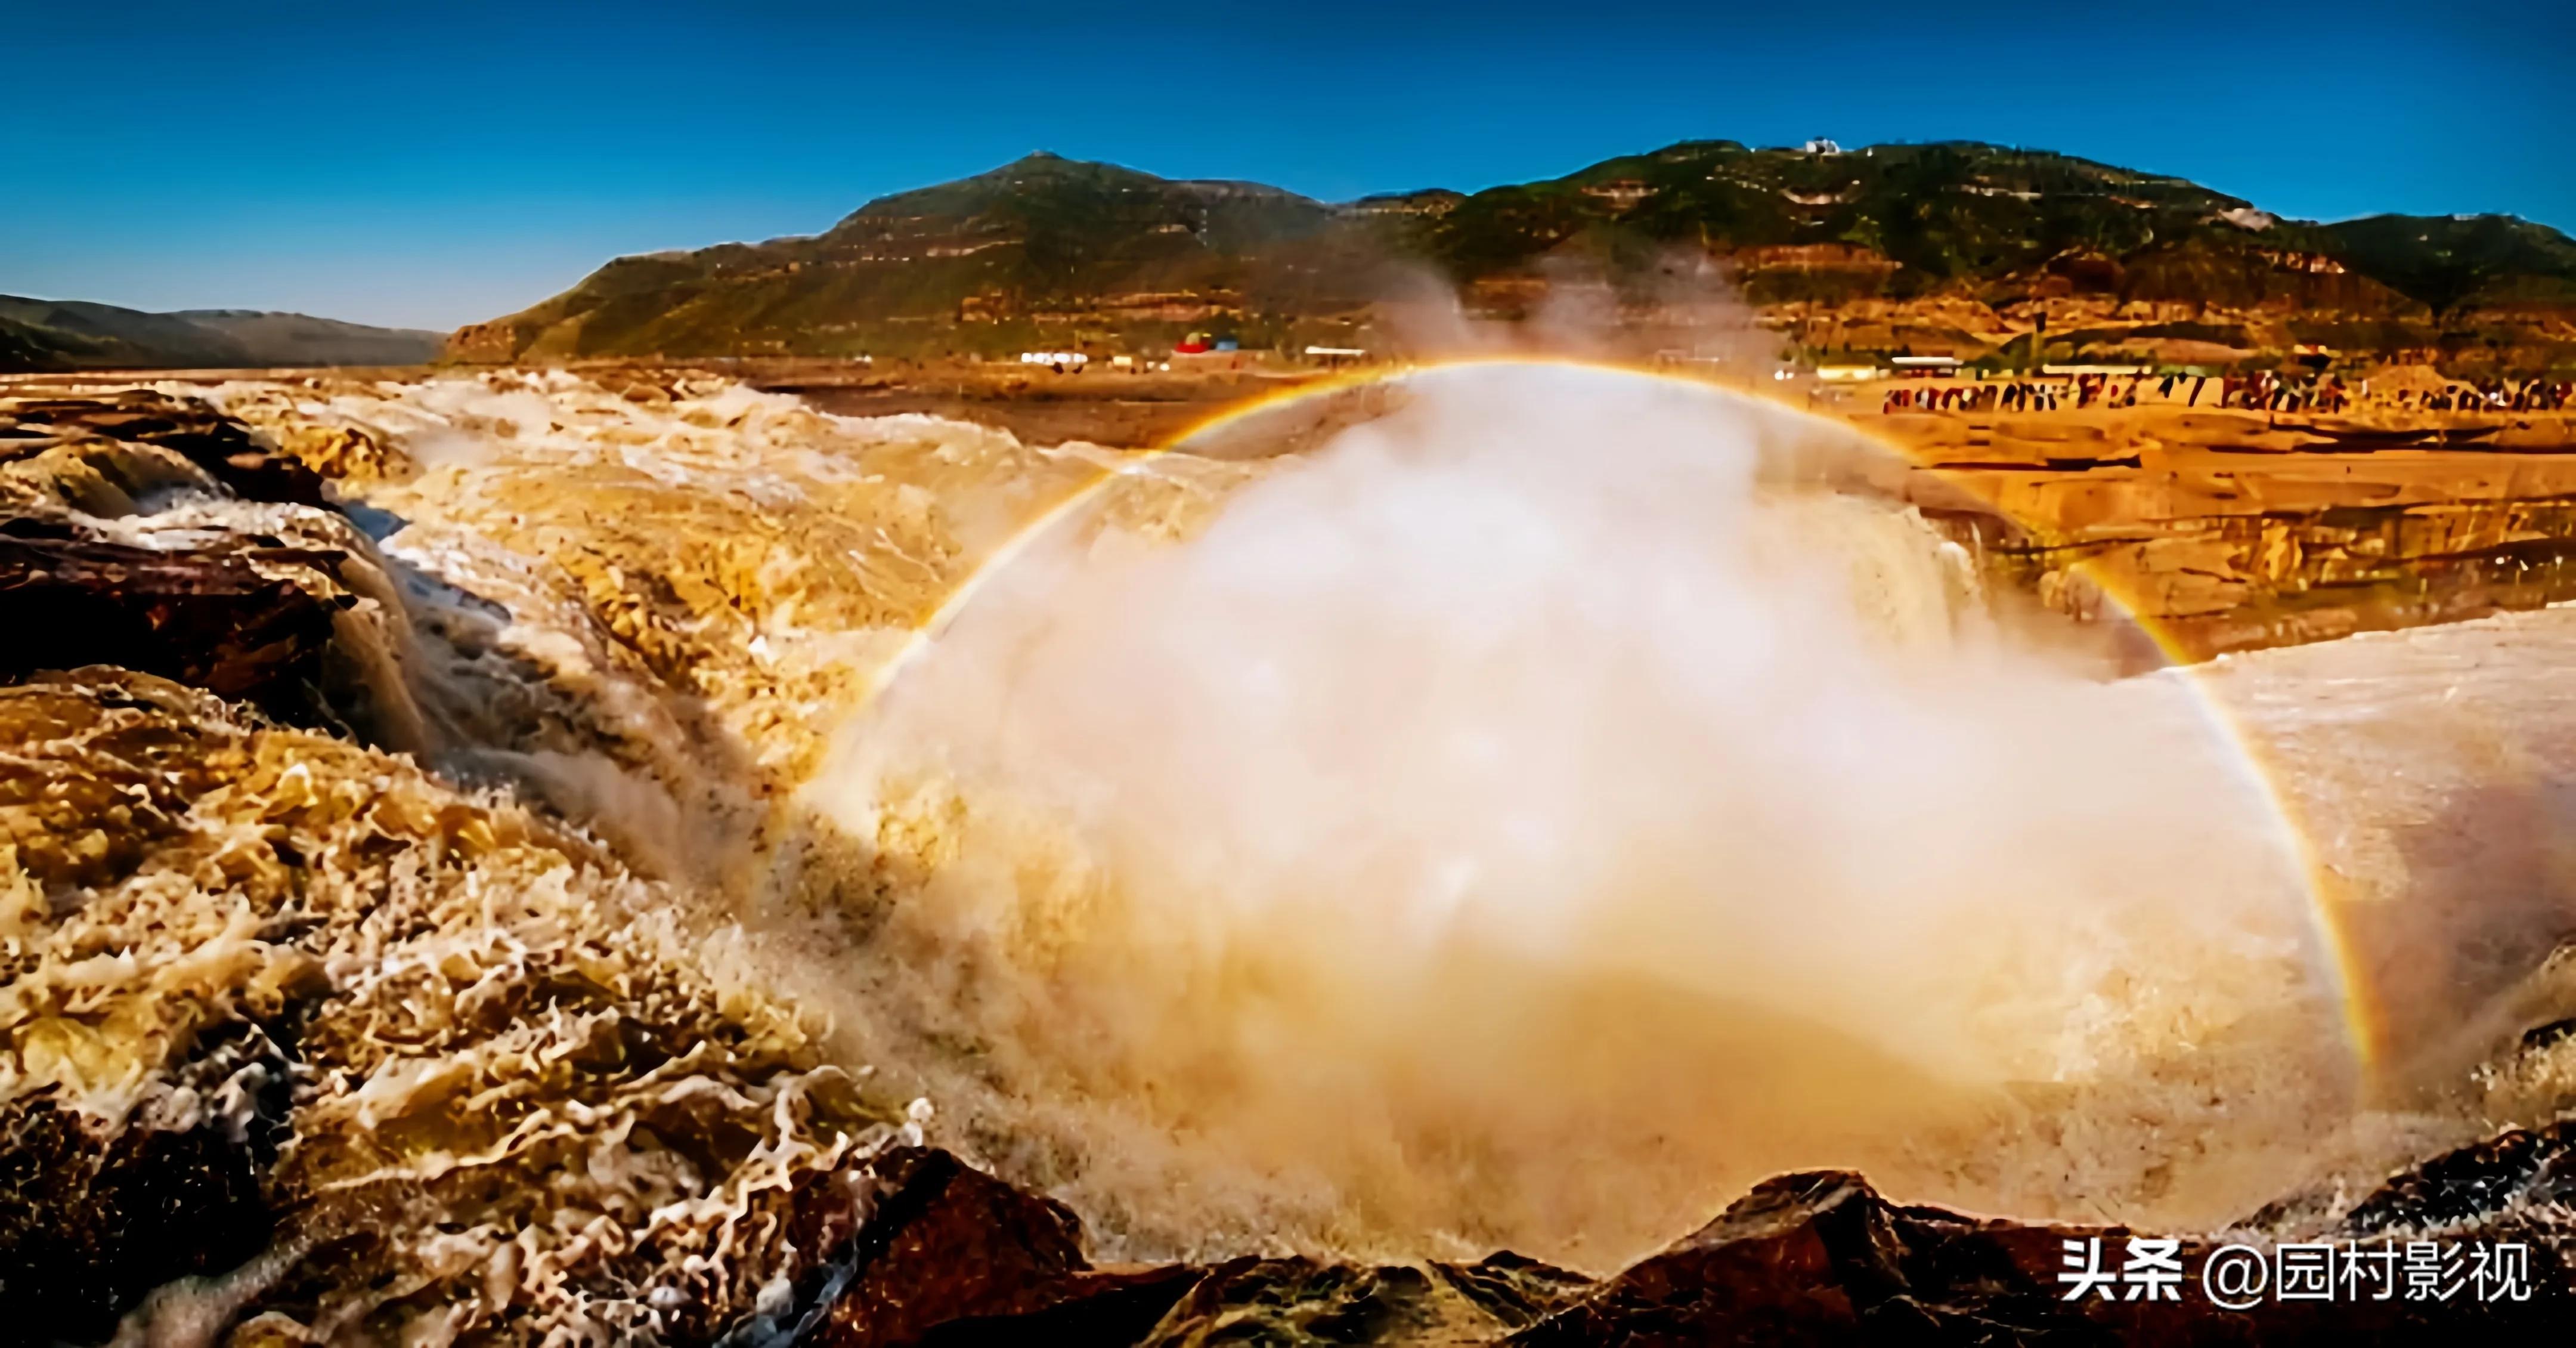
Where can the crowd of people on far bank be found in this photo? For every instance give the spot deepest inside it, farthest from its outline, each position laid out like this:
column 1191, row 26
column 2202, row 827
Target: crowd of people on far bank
column 2494, row 395
column 2259, row 392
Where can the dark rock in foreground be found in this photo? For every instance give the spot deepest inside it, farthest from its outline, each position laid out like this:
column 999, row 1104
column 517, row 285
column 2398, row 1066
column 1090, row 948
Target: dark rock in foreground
column 156, row 534
column 211, row 617
column 93, row 1218
column 2519, row 1178
column 948, row 1255
column 1823, row 1258
column 220, row 445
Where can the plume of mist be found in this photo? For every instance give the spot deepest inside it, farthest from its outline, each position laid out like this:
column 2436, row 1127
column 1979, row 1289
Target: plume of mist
column 1540, row 803
column 1530, row 818
column 1677, row 305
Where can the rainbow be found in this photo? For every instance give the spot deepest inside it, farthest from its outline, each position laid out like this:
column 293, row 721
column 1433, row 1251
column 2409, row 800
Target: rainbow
column 2364, row 1022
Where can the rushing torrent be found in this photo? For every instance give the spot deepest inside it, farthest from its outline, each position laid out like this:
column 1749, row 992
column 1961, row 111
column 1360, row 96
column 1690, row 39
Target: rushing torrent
column 1538, row 812
column 1523, row 810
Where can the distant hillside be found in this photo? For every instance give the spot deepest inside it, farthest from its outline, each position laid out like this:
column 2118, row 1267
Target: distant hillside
column 78, row 335
column 2464, row 261
column 1041, row 244
column 1951, row 246
column 301, row 339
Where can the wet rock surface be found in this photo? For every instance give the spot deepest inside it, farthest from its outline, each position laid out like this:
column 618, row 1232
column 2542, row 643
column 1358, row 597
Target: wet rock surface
column 1823, row 1258
column 87, row 570
column 219, row 445
column 2520, row 1178
column 216, row 617
column 949, row 1255
column 93, row 1217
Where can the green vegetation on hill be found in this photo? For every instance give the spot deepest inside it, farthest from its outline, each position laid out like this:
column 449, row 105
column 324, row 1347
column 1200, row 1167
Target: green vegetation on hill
column 274, row 339
column 78, row 335
column 1049, row 249
column 1943, row 213
column 2463, row 261
column 998, row 257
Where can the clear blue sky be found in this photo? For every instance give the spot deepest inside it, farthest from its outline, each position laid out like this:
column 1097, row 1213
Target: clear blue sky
column 432, row 165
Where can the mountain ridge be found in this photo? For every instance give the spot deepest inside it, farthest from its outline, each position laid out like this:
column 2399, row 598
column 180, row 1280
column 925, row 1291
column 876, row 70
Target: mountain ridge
column 64, row 335
column 1956, row 245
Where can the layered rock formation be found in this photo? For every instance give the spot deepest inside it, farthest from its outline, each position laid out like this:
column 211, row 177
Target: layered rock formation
column 87, row 560
column 2232, row 531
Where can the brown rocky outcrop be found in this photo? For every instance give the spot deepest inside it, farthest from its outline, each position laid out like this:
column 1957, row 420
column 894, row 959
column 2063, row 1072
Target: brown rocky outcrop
column 211, row 617
column 239, row 611
column 2233, row 530
column 494, row 343
column 218, row 444
column 1822, row 1258
column 948, row 1255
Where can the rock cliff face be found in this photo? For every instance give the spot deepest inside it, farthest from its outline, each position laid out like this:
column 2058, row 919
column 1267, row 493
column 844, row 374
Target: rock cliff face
column 2233, row 531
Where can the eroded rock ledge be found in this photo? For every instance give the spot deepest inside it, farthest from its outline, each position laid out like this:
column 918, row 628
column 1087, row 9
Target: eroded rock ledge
column 150, row 533
column 948, row 1255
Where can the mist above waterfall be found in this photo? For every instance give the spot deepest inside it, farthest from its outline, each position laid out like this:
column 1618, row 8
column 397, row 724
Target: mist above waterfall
column 1531, row 815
